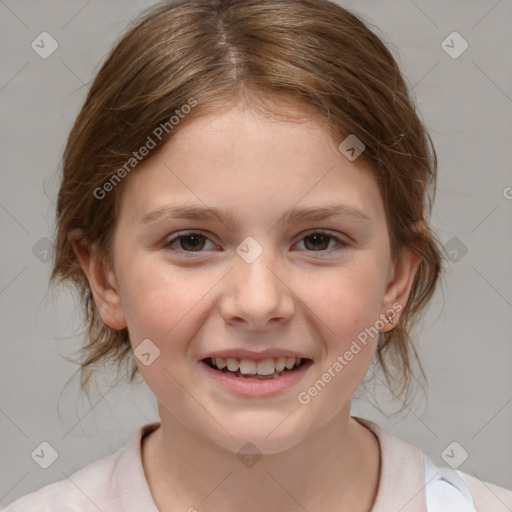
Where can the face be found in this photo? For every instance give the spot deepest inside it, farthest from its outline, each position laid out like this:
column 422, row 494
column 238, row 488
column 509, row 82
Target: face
column 253, row 287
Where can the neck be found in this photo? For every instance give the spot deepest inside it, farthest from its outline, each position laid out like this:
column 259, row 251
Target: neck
column 336, row 468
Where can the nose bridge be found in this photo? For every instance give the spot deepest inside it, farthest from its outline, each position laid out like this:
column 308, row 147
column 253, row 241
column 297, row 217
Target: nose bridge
column 256, row 291
column 254, row 265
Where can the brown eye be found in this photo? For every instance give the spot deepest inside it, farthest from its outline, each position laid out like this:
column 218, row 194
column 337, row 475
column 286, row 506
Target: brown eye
column 192, row 242
column 319, row 241
column 189, row 242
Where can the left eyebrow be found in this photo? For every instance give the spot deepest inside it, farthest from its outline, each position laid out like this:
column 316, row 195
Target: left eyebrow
column 232, row 221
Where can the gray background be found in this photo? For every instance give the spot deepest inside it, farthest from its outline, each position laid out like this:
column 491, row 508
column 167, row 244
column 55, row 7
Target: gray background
column 465, row 340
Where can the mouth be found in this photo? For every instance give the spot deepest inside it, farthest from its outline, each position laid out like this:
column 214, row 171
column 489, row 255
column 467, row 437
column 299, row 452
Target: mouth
column 262, row 369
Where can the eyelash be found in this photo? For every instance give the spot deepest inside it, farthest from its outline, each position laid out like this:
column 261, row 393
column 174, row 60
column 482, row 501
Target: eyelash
column 341, row 243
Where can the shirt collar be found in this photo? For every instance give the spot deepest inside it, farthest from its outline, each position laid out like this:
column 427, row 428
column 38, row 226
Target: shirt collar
column 402, row 474
column 401, row 481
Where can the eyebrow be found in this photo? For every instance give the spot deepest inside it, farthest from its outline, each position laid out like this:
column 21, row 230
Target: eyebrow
column 231, row 220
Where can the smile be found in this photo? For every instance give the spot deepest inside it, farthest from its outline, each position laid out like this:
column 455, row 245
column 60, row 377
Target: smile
column 255, row 377
column 252, row 369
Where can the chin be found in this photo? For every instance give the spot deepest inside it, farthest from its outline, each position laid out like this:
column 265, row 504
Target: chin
column 258, row 436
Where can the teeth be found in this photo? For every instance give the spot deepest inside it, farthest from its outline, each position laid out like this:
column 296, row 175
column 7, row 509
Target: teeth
column 265, row 367
column 252, row 367
column 280, row 364
column 220, row 363
column 248, row 367
column 232, row 364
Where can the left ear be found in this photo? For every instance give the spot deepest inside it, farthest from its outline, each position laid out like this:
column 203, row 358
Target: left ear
column 101, row 280
column 400, row 281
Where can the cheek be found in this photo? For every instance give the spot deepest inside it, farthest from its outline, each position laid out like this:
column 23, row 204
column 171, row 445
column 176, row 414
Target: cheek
column 168, row 312
column 347, row 311
column 159, row 298
column 346, row 301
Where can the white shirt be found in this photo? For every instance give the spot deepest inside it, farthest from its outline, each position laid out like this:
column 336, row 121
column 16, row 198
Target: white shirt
column 409, row 482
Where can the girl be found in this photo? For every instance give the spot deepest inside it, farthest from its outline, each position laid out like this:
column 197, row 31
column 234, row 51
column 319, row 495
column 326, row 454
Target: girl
column 244, row 210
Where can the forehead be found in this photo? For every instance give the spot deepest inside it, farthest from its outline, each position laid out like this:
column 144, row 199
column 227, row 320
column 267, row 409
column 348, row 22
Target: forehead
column 245, row 162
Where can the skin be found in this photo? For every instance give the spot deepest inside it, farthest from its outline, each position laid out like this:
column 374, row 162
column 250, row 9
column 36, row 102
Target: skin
column 292, row 297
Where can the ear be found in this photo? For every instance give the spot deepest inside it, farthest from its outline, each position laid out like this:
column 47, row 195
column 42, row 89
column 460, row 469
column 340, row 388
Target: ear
column 101, row 280
column 400, row 281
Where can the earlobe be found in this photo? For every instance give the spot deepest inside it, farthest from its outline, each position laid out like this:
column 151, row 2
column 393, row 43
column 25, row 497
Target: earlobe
column 101, row 280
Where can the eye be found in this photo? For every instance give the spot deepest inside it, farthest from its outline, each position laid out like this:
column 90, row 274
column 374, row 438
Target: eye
column 194, row 242
column 318, row 240
column 188, row 242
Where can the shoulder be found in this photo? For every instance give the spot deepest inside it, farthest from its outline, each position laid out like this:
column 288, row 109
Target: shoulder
column 105, row 484
column 448, row 486
column 442, row 487
column 78, row 492
column 488, row 497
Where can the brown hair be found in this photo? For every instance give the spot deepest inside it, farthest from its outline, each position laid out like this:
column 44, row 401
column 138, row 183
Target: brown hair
column 216, row 53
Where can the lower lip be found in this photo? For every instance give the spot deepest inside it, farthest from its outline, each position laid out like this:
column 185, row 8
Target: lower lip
column 257, row 387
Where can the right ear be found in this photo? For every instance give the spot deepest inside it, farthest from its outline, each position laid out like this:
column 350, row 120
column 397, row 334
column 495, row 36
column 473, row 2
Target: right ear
column 101, row 280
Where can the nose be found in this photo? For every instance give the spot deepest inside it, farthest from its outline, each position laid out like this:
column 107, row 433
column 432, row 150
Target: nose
column 257, row 294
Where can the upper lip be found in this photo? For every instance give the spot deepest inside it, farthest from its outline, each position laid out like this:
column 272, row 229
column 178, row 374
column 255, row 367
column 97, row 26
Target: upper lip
column 271, row 353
